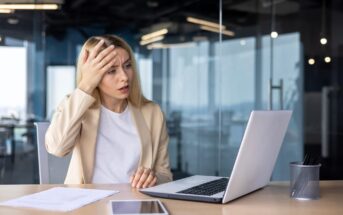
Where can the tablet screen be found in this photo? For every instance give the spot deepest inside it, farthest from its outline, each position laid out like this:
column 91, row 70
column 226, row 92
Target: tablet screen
column 136, row 207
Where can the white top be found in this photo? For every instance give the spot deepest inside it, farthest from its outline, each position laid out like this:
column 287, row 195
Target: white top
column 118, row 148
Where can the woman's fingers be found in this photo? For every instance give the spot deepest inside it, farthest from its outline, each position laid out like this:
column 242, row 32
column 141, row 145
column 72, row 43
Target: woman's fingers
column 153, row 182
column 137, row 176
column 108, row 58
column 150, row 180
column 108, row 61
column 96, row 49
column 85, row 56
column 99, row 57
column 95, row 64
column 144, row 177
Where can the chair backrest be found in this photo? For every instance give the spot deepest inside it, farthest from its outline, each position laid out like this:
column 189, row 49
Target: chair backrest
column 52, row 169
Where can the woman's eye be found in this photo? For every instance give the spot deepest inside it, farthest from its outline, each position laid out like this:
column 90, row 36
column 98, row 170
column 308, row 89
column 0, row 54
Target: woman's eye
column 111, row 71
column 128, row 65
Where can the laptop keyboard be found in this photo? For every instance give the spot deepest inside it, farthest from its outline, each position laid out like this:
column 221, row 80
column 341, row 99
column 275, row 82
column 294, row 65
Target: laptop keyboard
column 208, row 188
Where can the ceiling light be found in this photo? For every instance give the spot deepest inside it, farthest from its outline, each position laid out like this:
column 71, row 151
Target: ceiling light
column 225, row 32
column 154, row 34
column 323, row 40
column 6, row 11
column 154, row 39
column 204, row 22
column 29, row 6
column 170, row 45
column 13, row 21
column 0, row 39
column 311, row 61
column 327, row 59
column 274, row 34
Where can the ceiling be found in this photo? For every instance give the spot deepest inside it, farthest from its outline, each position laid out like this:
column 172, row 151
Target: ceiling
column 142, row 16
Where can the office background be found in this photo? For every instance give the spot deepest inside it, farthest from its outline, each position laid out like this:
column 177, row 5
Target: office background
column 267, row 54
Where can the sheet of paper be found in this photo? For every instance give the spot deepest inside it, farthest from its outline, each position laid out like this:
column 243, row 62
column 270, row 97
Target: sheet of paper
column 60, row 198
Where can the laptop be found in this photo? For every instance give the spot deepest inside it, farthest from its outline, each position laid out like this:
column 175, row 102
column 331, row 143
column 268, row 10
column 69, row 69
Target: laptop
column 252, row 170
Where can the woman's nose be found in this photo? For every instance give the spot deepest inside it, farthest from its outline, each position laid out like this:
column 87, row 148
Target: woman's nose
column 123, row 75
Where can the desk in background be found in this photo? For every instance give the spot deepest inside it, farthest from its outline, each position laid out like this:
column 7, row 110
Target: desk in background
column 8, row 129
column 272, row 199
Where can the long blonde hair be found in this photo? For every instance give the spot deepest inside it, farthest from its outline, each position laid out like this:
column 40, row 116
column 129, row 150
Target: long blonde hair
column 136, row 96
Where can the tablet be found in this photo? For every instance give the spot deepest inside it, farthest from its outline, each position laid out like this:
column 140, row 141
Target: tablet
column 135, row 207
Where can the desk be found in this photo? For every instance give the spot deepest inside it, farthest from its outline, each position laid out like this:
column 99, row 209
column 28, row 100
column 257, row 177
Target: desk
column 10, row 127
column 272, row 199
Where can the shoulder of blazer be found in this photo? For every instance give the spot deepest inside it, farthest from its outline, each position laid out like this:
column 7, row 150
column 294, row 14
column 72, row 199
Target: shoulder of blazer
column 152, row 110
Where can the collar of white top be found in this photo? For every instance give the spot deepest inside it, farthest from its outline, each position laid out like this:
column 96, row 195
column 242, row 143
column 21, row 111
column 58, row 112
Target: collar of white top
column 103, row 108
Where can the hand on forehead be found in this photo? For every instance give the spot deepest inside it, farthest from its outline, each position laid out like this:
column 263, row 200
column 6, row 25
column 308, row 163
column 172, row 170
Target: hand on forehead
column 122, row 56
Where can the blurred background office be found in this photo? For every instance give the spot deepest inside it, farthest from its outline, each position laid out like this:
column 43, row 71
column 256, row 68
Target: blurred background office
column 208, row 63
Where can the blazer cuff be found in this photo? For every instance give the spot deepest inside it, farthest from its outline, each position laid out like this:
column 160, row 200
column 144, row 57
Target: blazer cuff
column 163, row 178
column 83, row 98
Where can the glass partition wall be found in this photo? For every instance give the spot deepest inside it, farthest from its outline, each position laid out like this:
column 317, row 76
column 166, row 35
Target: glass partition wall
column 183, row 81
column 209, row 83
column 208, row 66
column 22, row 96
column 266, row 68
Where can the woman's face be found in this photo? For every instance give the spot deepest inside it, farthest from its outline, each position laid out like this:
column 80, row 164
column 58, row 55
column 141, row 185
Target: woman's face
column 115, row 85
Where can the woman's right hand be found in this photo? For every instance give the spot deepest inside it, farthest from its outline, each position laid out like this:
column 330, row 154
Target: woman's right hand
column 94, row 65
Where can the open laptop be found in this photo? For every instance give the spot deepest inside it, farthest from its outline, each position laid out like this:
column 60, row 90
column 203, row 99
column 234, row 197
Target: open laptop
column 252, row 170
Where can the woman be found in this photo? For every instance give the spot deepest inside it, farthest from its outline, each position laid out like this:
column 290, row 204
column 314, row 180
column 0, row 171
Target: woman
column 116, row 135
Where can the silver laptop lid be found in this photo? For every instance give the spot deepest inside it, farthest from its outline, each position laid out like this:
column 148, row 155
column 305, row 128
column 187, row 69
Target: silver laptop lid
column 258, row 152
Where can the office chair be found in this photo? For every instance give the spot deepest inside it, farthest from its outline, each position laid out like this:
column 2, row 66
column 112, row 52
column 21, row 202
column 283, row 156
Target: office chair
column 52, row 169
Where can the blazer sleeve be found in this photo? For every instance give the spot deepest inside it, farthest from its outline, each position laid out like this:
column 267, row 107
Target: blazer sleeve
column 162, row 167
column 65, row 127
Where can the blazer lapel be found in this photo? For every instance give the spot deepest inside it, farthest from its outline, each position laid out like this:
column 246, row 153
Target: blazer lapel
column 88, row 138
column 144, row 134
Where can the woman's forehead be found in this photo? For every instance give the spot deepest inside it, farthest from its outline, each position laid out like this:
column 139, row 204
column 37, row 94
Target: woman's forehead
column 122, row 53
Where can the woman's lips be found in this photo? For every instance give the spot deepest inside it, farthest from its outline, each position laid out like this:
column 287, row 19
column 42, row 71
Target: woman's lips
column 124, row 89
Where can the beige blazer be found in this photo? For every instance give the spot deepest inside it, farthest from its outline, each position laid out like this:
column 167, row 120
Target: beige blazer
column 74, row 129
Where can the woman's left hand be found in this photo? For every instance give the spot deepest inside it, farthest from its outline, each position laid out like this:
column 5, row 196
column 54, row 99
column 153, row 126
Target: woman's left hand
column 143, row 178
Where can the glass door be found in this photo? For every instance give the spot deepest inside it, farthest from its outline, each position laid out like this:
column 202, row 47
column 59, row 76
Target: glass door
column 282, row 89
column 259, row 71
